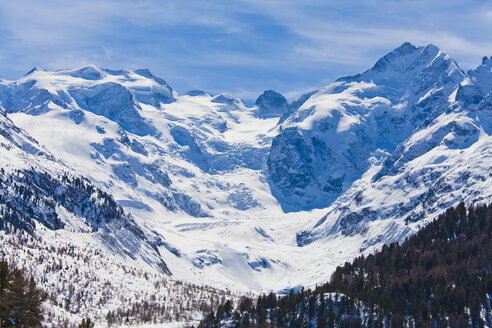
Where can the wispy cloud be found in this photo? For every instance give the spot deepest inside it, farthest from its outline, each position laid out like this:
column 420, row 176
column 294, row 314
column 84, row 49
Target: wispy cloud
column 240, row 47
column 349, row 31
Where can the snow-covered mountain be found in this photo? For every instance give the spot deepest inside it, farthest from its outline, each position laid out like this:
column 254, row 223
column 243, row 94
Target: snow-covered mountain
column 267, row 197
column 178, row 168
column 330, row 139
column 445, row 157
column 37, row 190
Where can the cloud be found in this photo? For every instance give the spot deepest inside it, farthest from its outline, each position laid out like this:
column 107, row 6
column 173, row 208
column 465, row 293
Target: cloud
column 35, row 22
column 487, row 15
column 242, row 46
column 352, row 32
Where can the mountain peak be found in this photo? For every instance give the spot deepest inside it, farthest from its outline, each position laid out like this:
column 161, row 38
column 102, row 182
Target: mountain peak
column 145, row 72
column 482, row 76
column 88, row 72
column 432, row 47
column 414, row 69
column 271, row 104
column 196, row 92
column 34, row 69
column 405, row 55
column 430, row 51
column 405, row 48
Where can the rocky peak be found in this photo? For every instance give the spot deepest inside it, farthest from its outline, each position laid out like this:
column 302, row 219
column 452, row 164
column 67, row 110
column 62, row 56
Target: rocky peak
column 477, row 84
column 413, row 73
column 34, row 69
column 482, row 75
column 271, row 104
column 195, row 93
column 405, row 49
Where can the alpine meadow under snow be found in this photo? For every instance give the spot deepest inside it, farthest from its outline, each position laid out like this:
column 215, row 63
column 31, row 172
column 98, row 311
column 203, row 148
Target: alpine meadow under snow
column 145, row 195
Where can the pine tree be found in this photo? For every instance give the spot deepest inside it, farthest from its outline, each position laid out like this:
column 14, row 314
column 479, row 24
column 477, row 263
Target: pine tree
column 86, row 323
column 331, row 314
column 20, row 300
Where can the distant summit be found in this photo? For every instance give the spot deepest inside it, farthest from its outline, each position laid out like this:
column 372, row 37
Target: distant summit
column 482, row 75
column 195, row 93
column 271, row 104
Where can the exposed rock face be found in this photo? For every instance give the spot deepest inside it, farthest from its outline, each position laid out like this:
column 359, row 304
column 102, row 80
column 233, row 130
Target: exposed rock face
column 271, row 104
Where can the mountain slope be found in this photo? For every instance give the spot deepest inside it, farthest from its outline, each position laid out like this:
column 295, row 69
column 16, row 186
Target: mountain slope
column 86, row 253
column 39, row 190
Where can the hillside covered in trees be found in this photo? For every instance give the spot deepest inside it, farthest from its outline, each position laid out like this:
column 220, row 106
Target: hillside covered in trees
column 440, row 277
column 78, row 282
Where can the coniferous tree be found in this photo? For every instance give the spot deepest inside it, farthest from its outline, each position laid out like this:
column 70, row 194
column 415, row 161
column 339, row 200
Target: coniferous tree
column 20, row 299
column 86, row 323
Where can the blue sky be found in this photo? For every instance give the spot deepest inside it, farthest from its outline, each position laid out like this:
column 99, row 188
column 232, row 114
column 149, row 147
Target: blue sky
column 238, row 47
